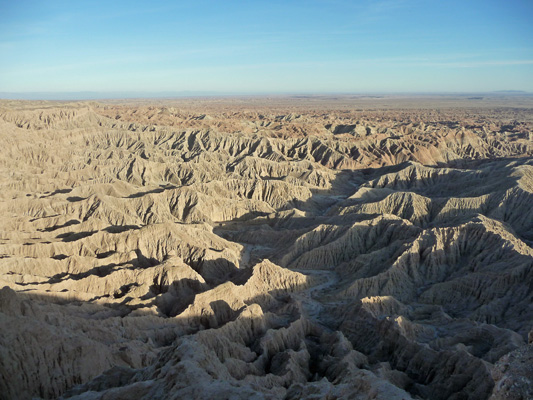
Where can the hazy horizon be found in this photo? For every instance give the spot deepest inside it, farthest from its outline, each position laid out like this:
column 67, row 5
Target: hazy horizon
column 382, row 46
column 89, row 95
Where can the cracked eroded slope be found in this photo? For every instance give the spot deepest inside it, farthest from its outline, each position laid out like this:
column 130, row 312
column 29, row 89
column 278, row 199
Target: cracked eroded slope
column 160, row 252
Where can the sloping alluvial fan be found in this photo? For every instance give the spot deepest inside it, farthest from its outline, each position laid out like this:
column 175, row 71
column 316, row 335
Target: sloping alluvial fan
column 227, row 250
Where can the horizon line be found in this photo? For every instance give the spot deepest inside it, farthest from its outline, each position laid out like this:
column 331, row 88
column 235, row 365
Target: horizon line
column 169, row 94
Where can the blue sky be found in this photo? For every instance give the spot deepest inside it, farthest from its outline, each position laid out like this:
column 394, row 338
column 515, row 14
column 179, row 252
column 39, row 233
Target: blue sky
column 266, row 47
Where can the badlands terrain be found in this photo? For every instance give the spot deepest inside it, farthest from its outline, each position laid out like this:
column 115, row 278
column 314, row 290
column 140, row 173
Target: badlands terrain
column 282, row 248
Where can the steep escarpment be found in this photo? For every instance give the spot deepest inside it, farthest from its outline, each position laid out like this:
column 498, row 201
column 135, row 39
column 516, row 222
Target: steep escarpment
column 177, row 251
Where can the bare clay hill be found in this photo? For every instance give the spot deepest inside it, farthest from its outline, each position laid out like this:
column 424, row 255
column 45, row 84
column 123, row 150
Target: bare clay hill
column 310, row 248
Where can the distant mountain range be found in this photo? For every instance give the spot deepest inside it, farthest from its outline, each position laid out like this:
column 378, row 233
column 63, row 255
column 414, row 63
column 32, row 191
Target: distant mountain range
column 88, row 95
column 510, row 91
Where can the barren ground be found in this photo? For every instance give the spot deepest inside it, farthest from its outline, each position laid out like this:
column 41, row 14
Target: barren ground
column 267, row 248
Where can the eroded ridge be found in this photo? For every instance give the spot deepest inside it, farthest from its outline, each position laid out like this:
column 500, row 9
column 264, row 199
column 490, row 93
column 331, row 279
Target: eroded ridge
column 222, row 250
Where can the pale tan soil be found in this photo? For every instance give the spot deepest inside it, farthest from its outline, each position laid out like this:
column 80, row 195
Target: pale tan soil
column 257, row 248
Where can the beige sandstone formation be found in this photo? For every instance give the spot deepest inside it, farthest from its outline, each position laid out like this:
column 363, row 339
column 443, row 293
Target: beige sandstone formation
column 266, row 249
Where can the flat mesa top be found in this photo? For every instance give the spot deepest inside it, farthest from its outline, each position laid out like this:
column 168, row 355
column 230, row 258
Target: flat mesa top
column 363, row 102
